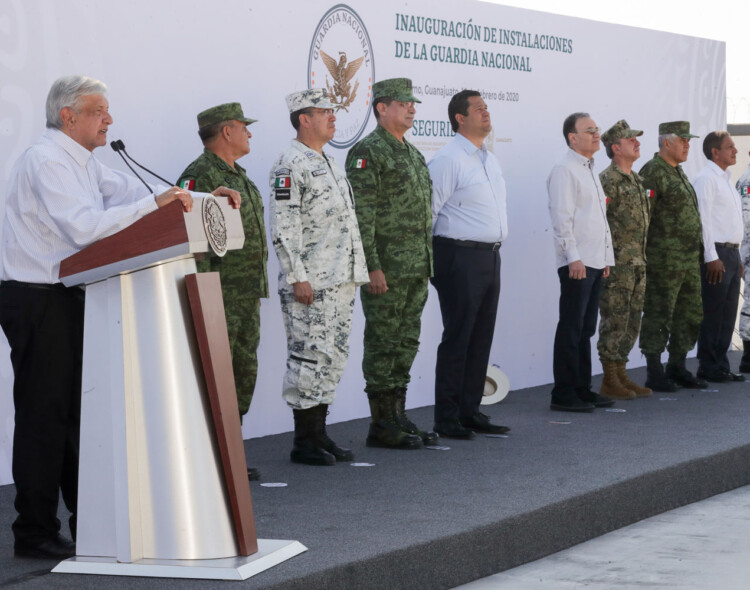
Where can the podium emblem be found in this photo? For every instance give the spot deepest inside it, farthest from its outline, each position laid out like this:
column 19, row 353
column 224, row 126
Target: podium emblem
column 215, row 225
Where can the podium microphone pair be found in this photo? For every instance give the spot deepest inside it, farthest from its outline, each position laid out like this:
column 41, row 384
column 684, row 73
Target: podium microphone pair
column 119, row 147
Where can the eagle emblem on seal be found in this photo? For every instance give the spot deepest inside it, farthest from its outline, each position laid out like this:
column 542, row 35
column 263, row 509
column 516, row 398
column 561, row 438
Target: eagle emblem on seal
column 341, row 93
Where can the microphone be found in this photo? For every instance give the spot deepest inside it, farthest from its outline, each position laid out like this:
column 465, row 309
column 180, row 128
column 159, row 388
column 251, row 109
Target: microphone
column 119, row 147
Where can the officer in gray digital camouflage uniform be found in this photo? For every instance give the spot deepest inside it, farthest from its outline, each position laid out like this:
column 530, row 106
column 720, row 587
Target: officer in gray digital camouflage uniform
column 223, row 131
column 393, row 191
column 621, row 302
column 743, row 187
column 672, row 311
column 316, row 237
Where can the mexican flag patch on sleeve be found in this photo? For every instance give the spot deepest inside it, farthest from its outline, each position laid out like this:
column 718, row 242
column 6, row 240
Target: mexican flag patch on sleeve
column 650, row 193
column 282, row 182
column 361, row 163
column 188, row 184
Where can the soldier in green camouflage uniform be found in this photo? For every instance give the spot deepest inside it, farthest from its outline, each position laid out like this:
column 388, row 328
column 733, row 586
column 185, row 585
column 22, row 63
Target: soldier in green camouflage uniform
column 673, row 308
column 621, row 302
column 243, row 272
column 393, row 192
column 743, row 187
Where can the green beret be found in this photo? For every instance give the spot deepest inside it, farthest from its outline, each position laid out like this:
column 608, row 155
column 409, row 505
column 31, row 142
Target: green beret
column 620, row 130
column 679, row 128
column 231, row 111
column 395, row 88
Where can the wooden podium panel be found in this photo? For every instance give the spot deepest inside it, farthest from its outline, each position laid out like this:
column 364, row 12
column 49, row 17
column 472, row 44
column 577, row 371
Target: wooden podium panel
column 207, row 306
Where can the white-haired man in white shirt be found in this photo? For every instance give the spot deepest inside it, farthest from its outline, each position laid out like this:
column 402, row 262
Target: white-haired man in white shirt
column 60, row 199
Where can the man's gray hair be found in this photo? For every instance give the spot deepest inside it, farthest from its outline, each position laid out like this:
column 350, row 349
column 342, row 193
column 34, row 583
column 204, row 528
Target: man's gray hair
column 67, row 92
column 670, row 137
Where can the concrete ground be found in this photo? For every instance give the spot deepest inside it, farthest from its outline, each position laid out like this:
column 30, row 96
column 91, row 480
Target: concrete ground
column 704, row 545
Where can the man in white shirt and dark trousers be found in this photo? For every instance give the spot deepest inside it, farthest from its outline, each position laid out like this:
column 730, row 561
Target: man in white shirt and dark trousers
column 721, row 274
column 60, row 199
column 469, row 225
column 583, row 247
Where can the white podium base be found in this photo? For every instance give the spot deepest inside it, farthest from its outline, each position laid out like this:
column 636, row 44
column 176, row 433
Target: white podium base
column 271, row 552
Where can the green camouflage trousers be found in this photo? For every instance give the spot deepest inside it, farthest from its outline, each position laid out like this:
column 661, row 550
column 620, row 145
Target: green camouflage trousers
column 620, row 308
column 243, row 326
column 317, row 344
column 672, row 310
column 392, row 327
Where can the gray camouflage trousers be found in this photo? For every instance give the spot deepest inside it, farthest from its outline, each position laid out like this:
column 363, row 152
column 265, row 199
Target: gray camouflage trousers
column 745, row 313
column 317, row 344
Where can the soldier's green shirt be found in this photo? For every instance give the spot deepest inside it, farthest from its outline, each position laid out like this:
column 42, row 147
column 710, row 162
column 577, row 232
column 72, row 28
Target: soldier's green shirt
column 245, row 267
column 393, row 193
column 675, row 233
column 627, row 214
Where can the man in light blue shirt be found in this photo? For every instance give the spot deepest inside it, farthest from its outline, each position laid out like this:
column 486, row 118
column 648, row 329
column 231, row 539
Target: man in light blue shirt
column 469, row 225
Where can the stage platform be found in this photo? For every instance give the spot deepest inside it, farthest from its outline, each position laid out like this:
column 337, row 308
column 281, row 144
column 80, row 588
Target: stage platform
column 432, row 519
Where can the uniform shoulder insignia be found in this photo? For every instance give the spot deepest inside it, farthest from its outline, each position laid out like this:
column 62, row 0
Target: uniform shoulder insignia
column 360, row 163
column 282, row 182
column 188, row 183
column 649, row 193
column 310, row 154
column 282, row 172
column 282, row 188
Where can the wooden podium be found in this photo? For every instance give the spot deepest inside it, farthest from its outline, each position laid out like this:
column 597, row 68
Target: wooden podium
column 163, row 487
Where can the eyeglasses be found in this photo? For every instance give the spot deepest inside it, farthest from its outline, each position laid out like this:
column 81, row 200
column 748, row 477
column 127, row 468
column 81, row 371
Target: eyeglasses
column 591, row 131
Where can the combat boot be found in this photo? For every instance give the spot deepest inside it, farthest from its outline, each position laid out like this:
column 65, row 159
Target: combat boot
column 399, row 396
column 677, row 371
column 632, row 386
column 655, row 377
column 612, row 387
column 384, row 429
column 306, row 448
column 745, row 361
column 324, row 441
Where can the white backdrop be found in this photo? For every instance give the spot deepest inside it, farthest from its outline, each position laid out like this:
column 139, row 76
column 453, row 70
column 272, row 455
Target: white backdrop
column 166, row 60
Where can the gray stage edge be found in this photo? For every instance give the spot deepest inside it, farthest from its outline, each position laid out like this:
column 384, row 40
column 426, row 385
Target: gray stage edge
column 432, row 519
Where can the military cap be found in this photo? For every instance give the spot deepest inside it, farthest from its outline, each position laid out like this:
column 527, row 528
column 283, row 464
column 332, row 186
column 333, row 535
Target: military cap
column 679, row 128
column 620, row 130
column 395, row 88
column 316, row 98
column 231, row 111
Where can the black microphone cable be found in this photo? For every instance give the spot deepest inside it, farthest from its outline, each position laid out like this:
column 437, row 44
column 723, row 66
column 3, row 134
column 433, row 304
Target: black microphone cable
column 121, row 146
column 117, row 145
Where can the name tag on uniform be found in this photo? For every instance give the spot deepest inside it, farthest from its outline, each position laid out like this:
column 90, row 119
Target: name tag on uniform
column 320, row 172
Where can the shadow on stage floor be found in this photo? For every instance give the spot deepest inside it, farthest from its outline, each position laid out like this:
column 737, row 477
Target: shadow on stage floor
column 439, row 518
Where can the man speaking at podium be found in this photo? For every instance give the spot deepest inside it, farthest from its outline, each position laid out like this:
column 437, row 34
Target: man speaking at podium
column 60, row 199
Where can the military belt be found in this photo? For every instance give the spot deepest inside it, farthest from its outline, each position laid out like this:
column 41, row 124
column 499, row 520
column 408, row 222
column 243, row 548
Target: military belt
column 468, row 243
column 727, row 245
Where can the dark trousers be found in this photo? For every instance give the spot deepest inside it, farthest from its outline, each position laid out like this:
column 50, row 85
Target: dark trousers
column 467, row 281
column 719, row 311
column 44, row 327
column 579, row 306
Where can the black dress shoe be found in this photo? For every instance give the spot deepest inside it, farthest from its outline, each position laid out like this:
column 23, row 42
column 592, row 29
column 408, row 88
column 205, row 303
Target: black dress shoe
column 733, row 376
column 481, row 423
column 253, row 473
column 571, row 405
column 597, row 400
column 57, row 548
column 716, row 376
column 453, row 429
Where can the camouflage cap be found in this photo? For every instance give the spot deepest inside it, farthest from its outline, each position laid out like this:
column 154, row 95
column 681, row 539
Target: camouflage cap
column 395, row 88
column 231, row 111
column 316, row 98
column 620, row 130
column 679, row 128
